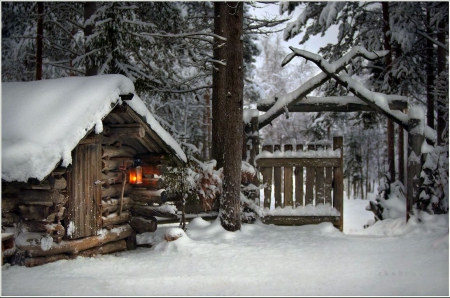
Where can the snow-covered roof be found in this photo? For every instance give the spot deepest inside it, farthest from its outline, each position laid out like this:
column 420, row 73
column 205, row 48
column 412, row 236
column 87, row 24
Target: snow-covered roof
column 43, row 121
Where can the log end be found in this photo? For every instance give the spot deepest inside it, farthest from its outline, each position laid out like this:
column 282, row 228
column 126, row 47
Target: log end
column 172, row 234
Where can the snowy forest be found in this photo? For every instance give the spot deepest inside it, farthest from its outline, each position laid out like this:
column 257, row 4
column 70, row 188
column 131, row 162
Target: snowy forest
column 175, row 55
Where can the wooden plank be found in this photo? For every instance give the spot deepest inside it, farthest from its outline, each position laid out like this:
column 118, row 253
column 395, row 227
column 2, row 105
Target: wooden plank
column 299, row 220
column 295, row 161
column 328, row 185
column 277, row 181
column 320, row 191
column 298, row 172
column 288, row 184
column 338, row 191
column 84, row 206
column 310, row 183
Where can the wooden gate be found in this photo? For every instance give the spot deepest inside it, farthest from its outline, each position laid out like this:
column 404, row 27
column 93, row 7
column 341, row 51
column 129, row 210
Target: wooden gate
column 313, row 177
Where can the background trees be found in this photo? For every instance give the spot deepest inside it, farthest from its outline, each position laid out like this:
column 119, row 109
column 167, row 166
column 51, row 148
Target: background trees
column 410, row 30
column 166, row 48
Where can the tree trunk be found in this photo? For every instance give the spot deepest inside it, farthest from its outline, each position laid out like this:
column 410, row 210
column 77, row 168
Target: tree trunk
column 89, row 27
column 442, row 62
column 388, row 63
column 39, row 40
column 430, row 75
column 228, row 86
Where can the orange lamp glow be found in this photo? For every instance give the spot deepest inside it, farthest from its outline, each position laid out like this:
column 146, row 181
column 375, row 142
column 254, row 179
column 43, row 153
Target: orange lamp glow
column 135, row 176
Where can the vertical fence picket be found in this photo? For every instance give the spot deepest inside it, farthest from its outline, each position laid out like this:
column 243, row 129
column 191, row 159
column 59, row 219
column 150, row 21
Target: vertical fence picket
column 299, row 181
column 288, row 185
column 277, row 180
column 310, row 175
column 320, row 179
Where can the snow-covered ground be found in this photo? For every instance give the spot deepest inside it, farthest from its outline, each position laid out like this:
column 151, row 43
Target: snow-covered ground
column 389, row 258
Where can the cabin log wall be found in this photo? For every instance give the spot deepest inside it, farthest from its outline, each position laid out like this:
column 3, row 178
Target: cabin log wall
column 44, row 209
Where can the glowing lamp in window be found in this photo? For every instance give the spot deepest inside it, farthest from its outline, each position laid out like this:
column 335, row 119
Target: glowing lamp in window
column 135, row 176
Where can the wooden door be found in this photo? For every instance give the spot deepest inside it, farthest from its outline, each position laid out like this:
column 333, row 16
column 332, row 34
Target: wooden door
column 84, row 216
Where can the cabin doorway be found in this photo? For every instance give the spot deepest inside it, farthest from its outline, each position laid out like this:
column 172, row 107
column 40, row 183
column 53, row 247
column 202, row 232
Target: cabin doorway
column 84, row 215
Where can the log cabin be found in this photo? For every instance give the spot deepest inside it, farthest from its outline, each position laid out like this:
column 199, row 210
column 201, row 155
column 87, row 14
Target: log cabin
column 82, row 159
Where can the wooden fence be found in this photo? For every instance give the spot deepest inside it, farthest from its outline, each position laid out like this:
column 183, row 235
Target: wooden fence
column 310, row 177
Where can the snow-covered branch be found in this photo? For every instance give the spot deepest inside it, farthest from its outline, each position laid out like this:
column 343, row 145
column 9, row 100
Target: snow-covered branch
column 182, row 35
column 378, row 101
column 292, row 98
column 433, row 40
column 184, row 91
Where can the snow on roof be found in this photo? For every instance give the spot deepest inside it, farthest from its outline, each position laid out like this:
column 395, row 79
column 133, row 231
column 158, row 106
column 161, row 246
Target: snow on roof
column 43, row 121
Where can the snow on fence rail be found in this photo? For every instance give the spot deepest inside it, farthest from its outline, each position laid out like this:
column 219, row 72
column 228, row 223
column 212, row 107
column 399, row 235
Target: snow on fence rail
column 307, row 178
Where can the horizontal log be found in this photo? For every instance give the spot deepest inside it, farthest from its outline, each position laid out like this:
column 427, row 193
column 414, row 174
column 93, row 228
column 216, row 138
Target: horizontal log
column 34, row 212
column 107, row 248
column 334, row 104
column 31, row 262
column 152, row 183
column 40, row 226
column 142, row 225
column 9, row 219
column 112, row 205
column 9, row 204
column 112, row 177
column 51, row 183
column 153, row 169
column 100, row 139
column 152, row 158
column 34, row 195
column 59, row 171
column 116, row 164
column 57, row 215
column 149, row 196
column 115, row 219
column 151, row 211
column 34, row 249
column 299, row 162
column 208, row 216
column 125, row 130
column 281, row 220
column 115, row 190
column 116, row 151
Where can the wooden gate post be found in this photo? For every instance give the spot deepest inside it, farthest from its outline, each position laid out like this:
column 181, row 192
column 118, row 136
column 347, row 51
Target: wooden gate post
column 277, row 180
column 338, row 191
column 414, row 165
